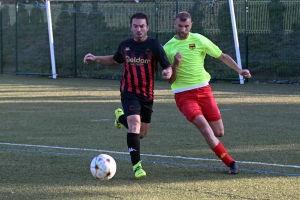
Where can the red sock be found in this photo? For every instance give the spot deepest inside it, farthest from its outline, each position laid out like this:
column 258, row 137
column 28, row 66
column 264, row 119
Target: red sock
column 221, row 152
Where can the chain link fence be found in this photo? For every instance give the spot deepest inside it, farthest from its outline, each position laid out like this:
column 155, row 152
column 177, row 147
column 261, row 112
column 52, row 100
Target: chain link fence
column 268, row 32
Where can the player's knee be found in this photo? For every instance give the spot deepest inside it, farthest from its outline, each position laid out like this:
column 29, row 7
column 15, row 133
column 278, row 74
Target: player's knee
column 133, row 121
column 134, row 124
column 219, row 133
column 142, row 135
column 144, row 129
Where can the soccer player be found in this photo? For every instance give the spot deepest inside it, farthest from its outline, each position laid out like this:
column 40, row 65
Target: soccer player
column 140, row 56
column 190, row 84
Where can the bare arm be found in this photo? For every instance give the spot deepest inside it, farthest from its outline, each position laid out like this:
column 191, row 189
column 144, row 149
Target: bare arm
column 174, row 66
column 233, row 65
column 102, row 60
column 172, row 79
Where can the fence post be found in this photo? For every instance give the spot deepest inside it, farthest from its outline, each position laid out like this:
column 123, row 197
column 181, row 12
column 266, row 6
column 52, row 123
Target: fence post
column 1, row 39
column 16, row 34
column 246, row 32
column 246, row 35
column 156, row 20
column 75, row 32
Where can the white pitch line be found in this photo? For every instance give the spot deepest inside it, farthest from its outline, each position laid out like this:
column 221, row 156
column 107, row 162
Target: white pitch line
column 99, row 120
column 149, row 155
column 264, row 91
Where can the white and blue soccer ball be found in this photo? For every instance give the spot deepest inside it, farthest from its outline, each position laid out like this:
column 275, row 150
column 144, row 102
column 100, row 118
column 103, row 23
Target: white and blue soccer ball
column 103, row 167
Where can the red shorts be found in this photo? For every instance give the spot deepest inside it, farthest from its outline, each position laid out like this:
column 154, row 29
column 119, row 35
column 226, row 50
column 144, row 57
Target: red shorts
column 199, row 101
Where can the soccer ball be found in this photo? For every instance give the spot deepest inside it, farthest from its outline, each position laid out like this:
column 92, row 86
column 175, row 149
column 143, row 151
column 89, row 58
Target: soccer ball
column 103, row 167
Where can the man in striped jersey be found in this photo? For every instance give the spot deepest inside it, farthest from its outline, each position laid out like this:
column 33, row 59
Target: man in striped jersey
column 140, row 55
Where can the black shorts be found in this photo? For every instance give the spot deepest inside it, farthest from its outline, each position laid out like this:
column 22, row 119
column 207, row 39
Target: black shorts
column 134, row 104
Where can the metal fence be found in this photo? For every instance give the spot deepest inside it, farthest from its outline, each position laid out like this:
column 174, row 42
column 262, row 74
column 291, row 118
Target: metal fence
column 268, row 32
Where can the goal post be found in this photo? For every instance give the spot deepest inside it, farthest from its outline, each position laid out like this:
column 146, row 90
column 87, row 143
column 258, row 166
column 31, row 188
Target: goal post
column 51, row 41
column 235, row 37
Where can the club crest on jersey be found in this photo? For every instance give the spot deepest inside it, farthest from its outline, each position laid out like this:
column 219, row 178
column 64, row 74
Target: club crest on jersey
column 192, row 46
column 127, row 49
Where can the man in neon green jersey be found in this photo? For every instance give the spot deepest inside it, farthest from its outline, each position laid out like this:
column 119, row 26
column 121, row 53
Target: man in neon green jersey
column 190, row 84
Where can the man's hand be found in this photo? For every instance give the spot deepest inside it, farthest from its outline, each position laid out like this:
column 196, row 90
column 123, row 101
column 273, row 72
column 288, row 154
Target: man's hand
column 174, row 66
column 245, row 73
column 167, row 73
column 177, row 59
column 89, row 58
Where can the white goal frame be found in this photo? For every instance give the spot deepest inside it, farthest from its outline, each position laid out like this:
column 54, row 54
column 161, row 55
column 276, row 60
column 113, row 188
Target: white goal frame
column 236, row 39
column 51, row 41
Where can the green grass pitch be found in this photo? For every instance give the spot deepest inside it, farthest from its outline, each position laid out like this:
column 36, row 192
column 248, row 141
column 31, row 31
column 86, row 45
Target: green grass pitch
column 51, row 129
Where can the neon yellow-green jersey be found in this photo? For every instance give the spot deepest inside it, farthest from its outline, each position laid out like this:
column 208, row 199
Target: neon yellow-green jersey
column 191, row 73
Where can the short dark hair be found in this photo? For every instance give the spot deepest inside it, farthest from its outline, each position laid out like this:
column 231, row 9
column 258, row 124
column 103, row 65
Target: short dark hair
column 183, row 16
column 139, row 16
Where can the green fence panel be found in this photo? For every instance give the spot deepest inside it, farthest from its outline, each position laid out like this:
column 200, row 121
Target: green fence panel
column 268, row 35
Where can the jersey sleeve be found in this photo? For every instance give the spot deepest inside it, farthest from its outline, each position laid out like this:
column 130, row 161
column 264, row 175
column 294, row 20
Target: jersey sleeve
column 210, row 48
column 168, row 52
column 118, row 57
column 162, row 57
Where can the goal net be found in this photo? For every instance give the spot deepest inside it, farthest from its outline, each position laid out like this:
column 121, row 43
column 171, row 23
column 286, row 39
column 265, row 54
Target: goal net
column 71, row 29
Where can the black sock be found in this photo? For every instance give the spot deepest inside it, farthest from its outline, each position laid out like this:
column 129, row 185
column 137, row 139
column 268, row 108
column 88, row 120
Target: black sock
column 133, row 143
column 123, row 120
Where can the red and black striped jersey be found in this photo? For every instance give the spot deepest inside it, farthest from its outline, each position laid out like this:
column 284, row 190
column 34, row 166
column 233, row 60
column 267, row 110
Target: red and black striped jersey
column 140, row 64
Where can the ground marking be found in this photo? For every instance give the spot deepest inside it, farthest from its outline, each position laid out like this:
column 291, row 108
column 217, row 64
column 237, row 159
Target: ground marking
column 147, row 155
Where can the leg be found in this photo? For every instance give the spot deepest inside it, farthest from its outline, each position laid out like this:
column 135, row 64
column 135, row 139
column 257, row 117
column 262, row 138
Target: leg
column 200, row 108
column 214, row 143
column 144, row 129
column 134, row 124
column 132, row 109
column 205, row 129
column 146, row 113
column 133, row 140
column 133, row 143
column 122, row 120
column 144, row 123
column 217, row 127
